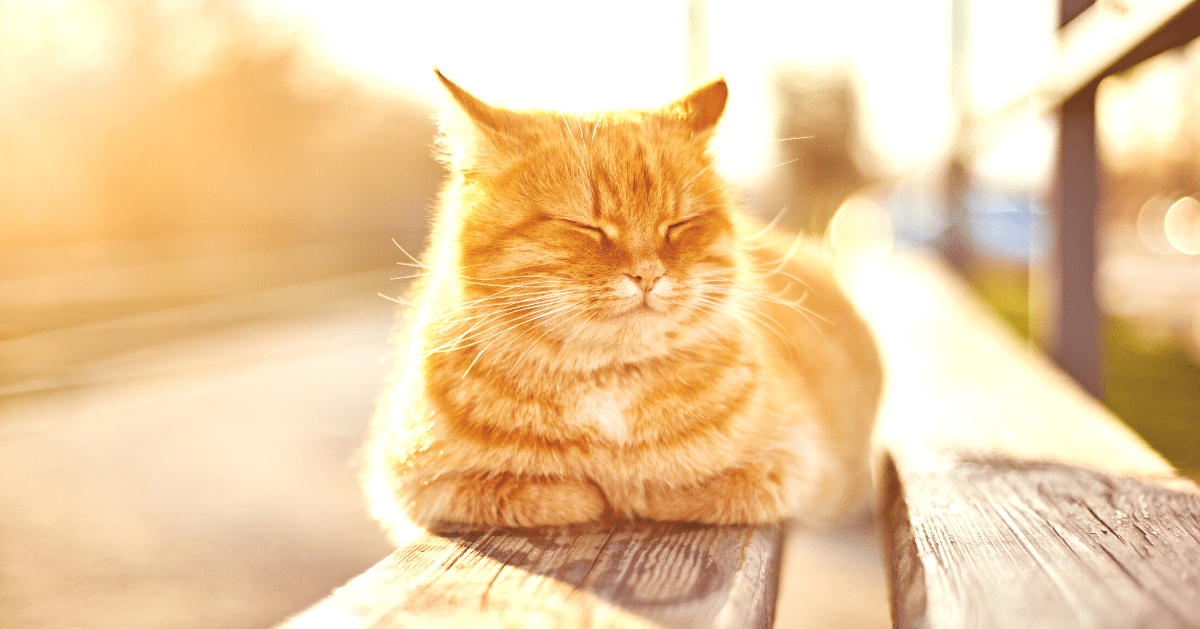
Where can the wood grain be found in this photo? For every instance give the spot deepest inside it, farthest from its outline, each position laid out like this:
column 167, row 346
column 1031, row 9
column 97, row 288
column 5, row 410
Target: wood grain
column 1009, row 497
column 627, row 575
column 1006, row 543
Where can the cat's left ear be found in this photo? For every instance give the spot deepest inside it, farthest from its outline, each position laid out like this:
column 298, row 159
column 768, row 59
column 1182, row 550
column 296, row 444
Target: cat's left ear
column 476, row 137
column 703, row 107
column 489, row 118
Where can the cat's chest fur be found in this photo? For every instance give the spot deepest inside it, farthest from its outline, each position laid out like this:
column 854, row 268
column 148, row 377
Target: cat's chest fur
column 634, row 404
column 602, row 409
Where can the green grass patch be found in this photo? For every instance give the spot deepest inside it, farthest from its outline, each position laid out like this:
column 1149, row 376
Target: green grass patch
column 1152, row 387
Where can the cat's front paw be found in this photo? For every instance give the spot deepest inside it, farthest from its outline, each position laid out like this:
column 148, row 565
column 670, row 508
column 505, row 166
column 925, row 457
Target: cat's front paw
column 506, row 500
column 744, row 495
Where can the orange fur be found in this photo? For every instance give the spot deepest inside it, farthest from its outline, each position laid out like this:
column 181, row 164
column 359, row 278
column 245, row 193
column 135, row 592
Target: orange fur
column 600, row 333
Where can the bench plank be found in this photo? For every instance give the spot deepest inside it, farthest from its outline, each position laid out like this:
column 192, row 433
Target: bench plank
column 1012, row 498
column 625, row 575
column 1006, row 543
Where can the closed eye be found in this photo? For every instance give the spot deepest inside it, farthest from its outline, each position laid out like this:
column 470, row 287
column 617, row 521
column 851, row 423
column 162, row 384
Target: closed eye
column 596, row 232
column 674, row 228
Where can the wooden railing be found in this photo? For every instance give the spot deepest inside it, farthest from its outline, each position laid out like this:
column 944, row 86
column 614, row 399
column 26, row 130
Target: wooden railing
column 1096, row 40
column 1008, row 496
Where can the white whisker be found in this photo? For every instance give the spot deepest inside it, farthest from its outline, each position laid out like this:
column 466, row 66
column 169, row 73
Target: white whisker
column 694, row 177
column 485, row 348
column 541, row 306
column 766, row 230
column 730, row 183
column 596, row 126
column 405, row 252
column 399, row 300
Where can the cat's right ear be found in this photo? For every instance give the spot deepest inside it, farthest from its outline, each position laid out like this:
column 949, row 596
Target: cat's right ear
column 474, row 137
column 702, row 108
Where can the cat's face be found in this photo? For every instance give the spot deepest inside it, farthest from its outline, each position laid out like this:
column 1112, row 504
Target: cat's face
column 593, row 229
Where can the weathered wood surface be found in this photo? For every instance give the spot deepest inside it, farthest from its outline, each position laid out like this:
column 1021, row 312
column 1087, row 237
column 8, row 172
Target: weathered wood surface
column 1010, row 498
column 1007, row 543
column 628, row 575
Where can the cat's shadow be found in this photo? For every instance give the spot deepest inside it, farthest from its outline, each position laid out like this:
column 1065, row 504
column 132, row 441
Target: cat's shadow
column 675, row 574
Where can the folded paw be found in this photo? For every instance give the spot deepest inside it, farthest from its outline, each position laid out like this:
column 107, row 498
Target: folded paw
column 506, row 500
column 742, row 495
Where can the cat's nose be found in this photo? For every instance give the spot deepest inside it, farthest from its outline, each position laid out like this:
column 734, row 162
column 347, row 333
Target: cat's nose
column 646, row 276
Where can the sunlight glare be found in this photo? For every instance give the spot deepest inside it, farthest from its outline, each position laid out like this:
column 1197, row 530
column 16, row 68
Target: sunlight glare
column 572, row 56
column 626, row 53
column 46, row 38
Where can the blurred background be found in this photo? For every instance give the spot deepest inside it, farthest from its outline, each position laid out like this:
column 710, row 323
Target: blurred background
column 201, row 204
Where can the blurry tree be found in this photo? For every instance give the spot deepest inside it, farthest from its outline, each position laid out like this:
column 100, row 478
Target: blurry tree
column 146, row 118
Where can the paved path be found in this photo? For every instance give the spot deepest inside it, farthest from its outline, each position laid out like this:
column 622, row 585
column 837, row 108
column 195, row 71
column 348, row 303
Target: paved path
column 203, row 482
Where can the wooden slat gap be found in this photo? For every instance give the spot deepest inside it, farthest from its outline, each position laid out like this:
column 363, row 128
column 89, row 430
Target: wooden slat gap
column 906, row 573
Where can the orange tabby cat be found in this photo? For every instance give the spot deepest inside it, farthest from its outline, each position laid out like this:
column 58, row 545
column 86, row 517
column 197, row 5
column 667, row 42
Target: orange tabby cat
column 600, row 333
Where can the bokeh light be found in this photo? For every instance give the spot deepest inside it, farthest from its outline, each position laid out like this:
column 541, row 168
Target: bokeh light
column 861, row 231
column 1182, row 225
column 1150, row 224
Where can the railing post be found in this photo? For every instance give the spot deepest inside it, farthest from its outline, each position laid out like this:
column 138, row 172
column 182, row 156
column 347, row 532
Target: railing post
column 954, row 242
column 1075, row 331
column 1074, row 327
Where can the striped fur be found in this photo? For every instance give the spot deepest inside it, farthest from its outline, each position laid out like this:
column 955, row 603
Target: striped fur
column 597, row 332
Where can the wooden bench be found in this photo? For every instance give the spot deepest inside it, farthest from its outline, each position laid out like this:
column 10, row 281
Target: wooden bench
column 1007, row 498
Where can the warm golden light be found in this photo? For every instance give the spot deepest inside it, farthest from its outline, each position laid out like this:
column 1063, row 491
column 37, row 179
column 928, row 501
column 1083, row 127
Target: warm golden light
column 861, row 232
column 1182, row 225
column 1141, row 114
column 628, row 53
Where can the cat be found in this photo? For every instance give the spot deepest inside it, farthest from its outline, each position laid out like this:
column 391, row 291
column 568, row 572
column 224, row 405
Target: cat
column 598, row 333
